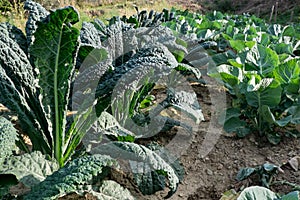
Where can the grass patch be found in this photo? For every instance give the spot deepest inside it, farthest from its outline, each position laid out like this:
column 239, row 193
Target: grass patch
column 13, row 13
column 89, row 10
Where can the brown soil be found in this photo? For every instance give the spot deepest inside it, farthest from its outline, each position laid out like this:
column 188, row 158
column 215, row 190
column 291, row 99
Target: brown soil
column 209, row 176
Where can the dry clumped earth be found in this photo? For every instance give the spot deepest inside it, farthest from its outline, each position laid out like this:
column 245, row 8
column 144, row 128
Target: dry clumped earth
column 210, row 173
column 210, row 176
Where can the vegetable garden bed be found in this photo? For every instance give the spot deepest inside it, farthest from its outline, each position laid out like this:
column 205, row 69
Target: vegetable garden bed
column 149, row 97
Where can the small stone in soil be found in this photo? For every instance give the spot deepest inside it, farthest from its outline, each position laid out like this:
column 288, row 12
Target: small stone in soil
column 220, row 166
column 209, row 172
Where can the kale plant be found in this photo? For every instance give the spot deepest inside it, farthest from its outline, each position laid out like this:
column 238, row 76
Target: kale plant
column 56, row 68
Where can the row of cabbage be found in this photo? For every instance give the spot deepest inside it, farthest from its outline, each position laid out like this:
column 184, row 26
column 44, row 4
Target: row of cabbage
column 259, row 65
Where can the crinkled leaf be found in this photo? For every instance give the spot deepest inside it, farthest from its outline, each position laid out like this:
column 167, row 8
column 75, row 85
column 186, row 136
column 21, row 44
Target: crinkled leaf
column 111, row 190
column 11, row 51
column 72, row 177
column 36, row 13
column 148, row 182
column 145, row 58
column 187, row 68
column 159, row 35
column 169, row 158
column 8, row 137
column 131, row 87
column 197, row 57
column 110, row 126
column 53, row 52
column 129, row 77
column 107, row 121
column 185, row 102
column 145, row 19
column 15, row 34
column 106, row 125
column 18, row 87
column 89, row 34
column 143, row 160
column 87, row 79
column 30, row 169
column 127, row 98
column 90, row 46
column 100, row 25
column 120, row 40
column 89, row 55
column 83, row 98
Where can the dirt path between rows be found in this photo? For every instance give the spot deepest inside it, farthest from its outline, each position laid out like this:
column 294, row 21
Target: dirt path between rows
column 210, row 176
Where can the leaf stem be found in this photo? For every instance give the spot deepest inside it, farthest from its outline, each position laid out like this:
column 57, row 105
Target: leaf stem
column 58, row 139
column 259, row 116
